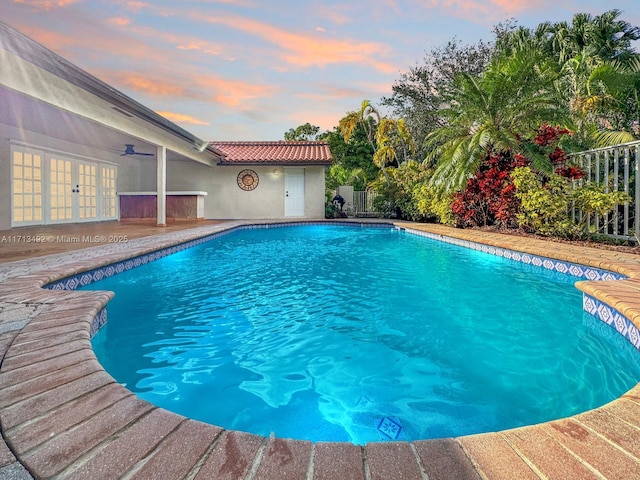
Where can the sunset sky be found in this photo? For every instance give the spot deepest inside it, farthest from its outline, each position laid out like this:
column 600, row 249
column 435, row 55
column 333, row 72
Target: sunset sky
column 251, row 69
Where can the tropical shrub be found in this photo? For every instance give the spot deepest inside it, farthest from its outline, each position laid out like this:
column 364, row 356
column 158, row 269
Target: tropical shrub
column 399, row 191
column 489, row 197
column 592, row 198
column 544, row 206
column 545, row 203
column 434, row 205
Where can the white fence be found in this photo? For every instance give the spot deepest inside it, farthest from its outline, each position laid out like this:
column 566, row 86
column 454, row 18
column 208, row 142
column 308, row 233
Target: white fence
column 363, row 204
column 617, row 169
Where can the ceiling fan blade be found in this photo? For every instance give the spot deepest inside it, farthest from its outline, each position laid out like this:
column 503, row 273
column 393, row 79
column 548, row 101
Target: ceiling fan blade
column 130, row 151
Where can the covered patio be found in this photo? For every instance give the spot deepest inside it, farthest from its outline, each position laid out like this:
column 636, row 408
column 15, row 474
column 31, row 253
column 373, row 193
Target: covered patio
column 70, row 143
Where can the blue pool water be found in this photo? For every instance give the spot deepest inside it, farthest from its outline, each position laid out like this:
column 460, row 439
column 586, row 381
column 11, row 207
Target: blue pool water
column 339, row 333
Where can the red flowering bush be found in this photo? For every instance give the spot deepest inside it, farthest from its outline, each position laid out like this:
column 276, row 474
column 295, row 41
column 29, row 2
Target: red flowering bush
column 573, row 173
column 489, row 197
column 548, row 136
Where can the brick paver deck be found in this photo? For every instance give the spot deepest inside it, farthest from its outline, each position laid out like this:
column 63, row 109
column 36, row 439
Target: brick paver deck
column 63, row 416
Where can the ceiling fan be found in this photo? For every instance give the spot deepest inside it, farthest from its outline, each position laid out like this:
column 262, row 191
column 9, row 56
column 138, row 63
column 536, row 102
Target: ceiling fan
column 128, row 150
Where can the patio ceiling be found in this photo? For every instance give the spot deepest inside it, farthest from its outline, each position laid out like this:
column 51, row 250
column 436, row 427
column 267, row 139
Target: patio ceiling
column 20, row 110
column 44, row 93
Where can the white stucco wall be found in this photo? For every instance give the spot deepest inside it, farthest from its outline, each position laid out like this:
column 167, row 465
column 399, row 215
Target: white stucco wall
column 225, row 200
column 131, row 177
column 5, row 183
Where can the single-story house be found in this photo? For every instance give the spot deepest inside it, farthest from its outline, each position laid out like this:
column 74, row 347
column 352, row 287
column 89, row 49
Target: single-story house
column 74, row 149
column 270, row 179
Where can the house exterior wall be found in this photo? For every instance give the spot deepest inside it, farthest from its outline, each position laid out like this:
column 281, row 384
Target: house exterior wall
column 225, row 200
column 133, row 175
column 315, row 191
column 5, row 182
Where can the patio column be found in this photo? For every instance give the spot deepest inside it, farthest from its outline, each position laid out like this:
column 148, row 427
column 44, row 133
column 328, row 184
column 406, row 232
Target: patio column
column 161, row 190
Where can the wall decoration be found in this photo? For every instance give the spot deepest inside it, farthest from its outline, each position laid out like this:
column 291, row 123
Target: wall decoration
column 248, row 179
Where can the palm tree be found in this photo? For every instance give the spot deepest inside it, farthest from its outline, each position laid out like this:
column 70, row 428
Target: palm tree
column 599, row 74
column 367, row 117
column 604, row 37
column 395, row 143
column 495, row 111
column 614, row 103
column 390, row 139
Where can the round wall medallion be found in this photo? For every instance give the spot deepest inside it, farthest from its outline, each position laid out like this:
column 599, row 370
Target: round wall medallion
column 247, row 179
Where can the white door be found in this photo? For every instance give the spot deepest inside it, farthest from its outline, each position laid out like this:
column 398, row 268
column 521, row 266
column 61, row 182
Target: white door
column 294, row 192
column 51, row 188
column 87, row 192
column 61, row 191
column 109, row 205
column 27, row 187
column 73, row 191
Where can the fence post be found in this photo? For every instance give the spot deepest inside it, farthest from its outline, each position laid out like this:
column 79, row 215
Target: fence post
column 625, row 208
column 608, row 167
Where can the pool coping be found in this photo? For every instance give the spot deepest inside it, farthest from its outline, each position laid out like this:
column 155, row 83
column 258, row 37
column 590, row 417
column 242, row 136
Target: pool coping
column 62, row 415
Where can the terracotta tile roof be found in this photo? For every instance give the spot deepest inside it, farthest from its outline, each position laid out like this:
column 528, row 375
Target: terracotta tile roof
column 274, row 152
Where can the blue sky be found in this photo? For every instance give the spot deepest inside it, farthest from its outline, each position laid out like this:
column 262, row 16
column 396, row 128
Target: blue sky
column 250, row 69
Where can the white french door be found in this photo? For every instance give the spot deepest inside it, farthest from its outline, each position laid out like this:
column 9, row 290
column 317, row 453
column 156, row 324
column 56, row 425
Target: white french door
column 108, row 205
column 52, row 188
column 61, row 189
column 27, row 184
column 294, row 192
column 73, row 191
column 87, row 192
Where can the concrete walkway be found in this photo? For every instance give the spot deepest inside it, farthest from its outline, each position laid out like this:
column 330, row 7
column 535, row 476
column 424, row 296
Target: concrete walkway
column 63, row 417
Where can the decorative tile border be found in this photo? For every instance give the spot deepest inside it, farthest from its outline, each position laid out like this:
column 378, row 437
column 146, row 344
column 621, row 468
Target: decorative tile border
column 613, row 318
column 577, row 270
column 83, row 279
column 98, row 322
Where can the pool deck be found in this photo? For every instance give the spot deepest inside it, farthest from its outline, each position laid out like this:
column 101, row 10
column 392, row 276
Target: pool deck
column 63, row 416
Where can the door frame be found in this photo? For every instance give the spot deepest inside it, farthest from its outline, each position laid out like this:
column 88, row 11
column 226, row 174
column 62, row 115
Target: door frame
column 46, row 156
column 298, row 210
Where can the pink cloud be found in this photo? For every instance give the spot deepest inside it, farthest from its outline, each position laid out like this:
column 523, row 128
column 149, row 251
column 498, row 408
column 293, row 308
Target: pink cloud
column 481, row 10
column 193, row 86
column 232, row 93
column 181, row 118
column 179, row 42
column 119, row 21
column 159, row 71
column 305, row 51
column 46, row 5
column 150, row 85
column 136, row 6
column 54, row 41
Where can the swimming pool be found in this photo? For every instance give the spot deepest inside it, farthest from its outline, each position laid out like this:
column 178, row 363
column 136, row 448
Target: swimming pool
column 318, row 347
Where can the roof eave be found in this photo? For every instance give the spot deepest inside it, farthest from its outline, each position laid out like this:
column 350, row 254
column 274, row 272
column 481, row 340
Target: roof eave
column 35, row 53
column 278, row 163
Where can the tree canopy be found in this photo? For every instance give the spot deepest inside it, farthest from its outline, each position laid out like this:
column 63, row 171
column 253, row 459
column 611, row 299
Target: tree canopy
column 302, row 132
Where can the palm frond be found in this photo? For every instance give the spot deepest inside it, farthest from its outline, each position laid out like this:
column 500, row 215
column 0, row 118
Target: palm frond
column 605, row 138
